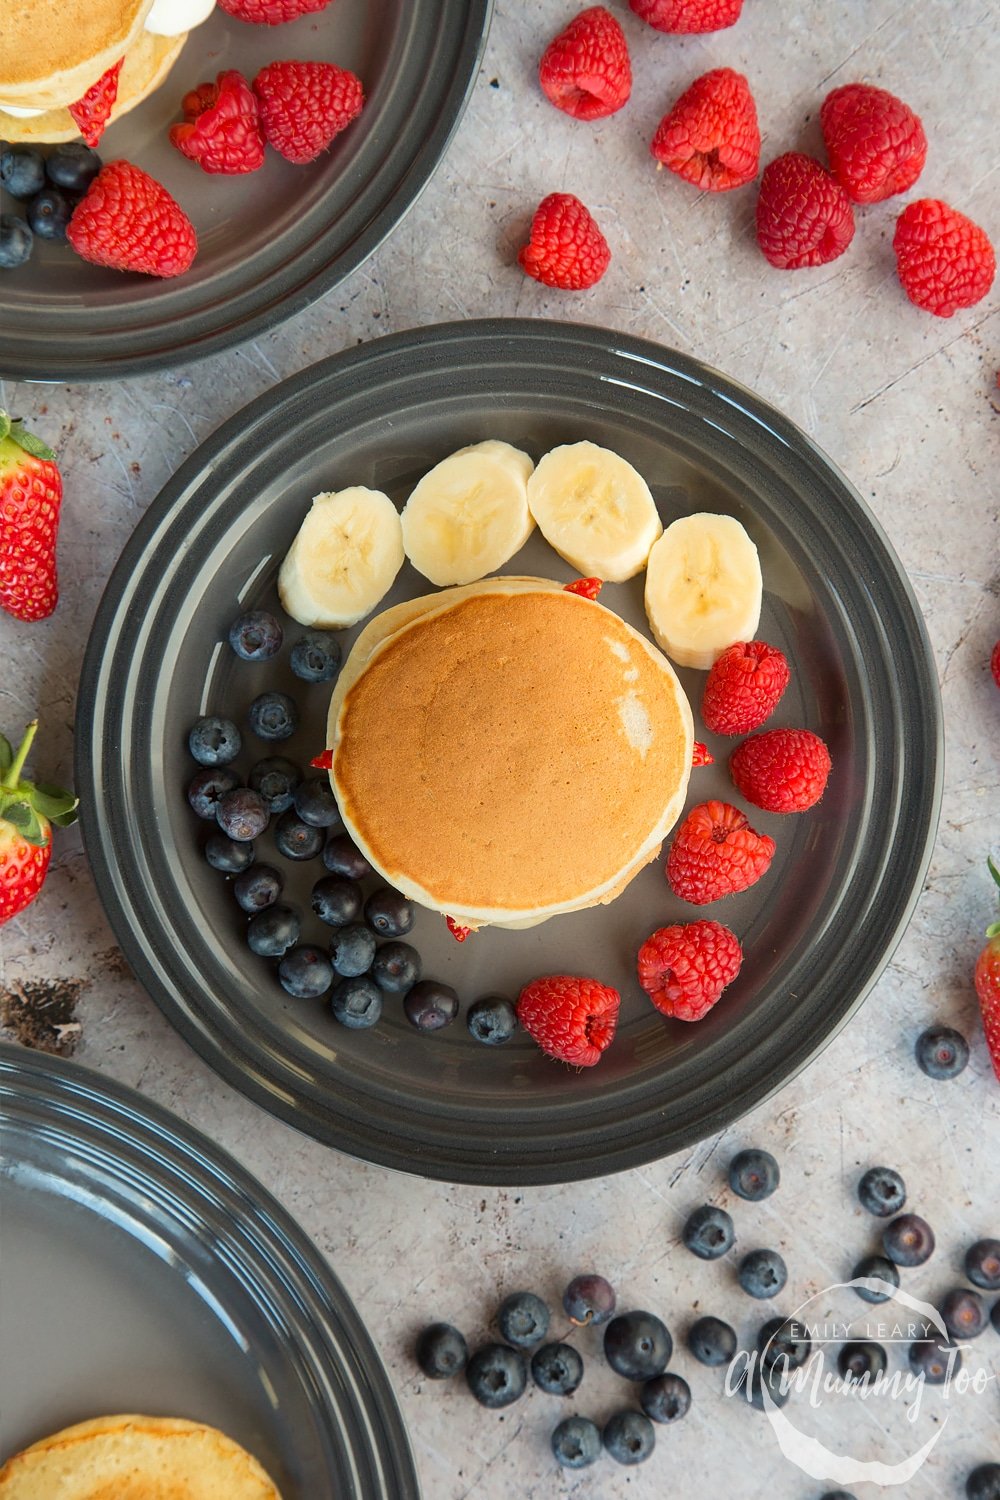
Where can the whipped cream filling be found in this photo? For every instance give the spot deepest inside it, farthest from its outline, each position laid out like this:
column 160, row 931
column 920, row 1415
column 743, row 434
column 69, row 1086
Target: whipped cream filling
column 20, row 114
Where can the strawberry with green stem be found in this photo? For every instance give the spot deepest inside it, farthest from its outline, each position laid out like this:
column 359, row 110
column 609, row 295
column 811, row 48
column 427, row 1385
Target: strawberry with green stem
column 30, row 497
column 987, row 981
column 27, row 811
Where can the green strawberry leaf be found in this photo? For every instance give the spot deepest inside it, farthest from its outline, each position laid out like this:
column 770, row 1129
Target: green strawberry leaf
column 24, row 818
column 29, row 442
column 6, row 756
column 55, row 804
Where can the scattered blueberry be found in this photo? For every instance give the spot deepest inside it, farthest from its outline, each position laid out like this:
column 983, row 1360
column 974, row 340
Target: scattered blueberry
column 629, row 1437
column 637, row 1345
column 861, row 1361
column 257, row 888
column 295, row 839
column 242, row 814
column 576, row 1443
column 982, row 1265
column 995, row 1316
column 430, row 1005
column 273, row 716
column 255, row 636
column 356, row 1003
column 16, row 241
column 441, row 1351
column 837, row 1495
column 343, row 857
column 276, row 779
column 228, row 855
column 709, row 1232
column 783, row 1341
column 758, row 1378
column 352, row 949
column 942, row 1052
column 908, row 1240
column 388, row 913
column 316, row 804
column 557, row 1369
column 73, row 166
column 316, row 656
column 665, row 1398
column 983, row 1483
column 589, row 1299
column 208, row 786
column 214, row 741
column 396, row 967
column 272, row 932
column 337, row 902
column 875, row 1265
column 49, row 213
column 964, row 1313
column 492, row 1020
column 523, row 1319
column 754, row 1174
column 933, row 1359
column 711, row 1341
column 497, row 1375
column 305, row 972
column 762, row 1273
column 882, row 1192
column 22, row 171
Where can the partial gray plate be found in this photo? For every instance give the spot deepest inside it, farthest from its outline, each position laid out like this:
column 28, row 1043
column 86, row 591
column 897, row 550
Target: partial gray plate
column 145, row 1271
column 816, row 931
column 272, row 241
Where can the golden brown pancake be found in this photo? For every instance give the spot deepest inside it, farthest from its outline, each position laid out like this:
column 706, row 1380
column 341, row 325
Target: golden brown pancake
column 50, row 54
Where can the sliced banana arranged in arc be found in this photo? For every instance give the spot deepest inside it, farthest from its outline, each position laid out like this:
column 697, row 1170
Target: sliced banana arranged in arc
column 595, row 510
column 469, row 514
column 344, row 558
column 703, row 588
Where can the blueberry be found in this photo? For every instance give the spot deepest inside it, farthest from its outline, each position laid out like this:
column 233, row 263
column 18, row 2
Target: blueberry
column 496, row 1375
column 242, row 814
column 557, row 1369
column 255, row 636
column 589, row 1299
column 709, row 1232
column 964, row 1313
column 73, row 166
column 430, row 1005
column 316, row 804
column 837, row 1495
column 276, row 779
column 754, row 1174
column 305, row 972
column 441, row 1351
column 762, row 1273
column 860, row 1362
column 228, row 855
column 492, row 1020
column 882, row 1192
column 48, row 214
column 758, row 1379
column 983, row 1483
column 16, row 241
column 214, row 741
column 337, row 902
column 934, row 1359
column 208, row 787
column 257, row 888
column 637, row 1345
column 629, row 1437
column 878, row 1266
column 352, row 949
column 908, row 1240
column 711, row 1341
column 273, row 716
column 22, row 171
column 576, row 1443
column 982, row 1264
column 295, row 839
column 272, row 932
column 316, row 656
column 356, row 1003
column 942, row 1052
column 396, row 967
column 784, row 1342
column 343, row 857
column 665, row 1398
column 523, row 1319
column 388, row 913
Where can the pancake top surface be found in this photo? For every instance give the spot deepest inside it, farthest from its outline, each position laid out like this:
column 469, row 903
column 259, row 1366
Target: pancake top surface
column 32, row 50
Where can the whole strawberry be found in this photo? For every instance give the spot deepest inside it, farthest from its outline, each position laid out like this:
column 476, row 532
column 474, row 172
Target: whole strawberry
column 744, row 687
column 716, row 853
column 781, row 770
column 91, row 113
column 711, row 137
column 30, row 498
column 943, row 259
column 565, row 248
column 221, row 129
column 128, row 221
column 571, row 1019
column 685, row 968
column 27, row 811
column 876, row 144
column 271, row 12
column 804, row 217
column 986, row 977
column 304, row 105
column 586, row 71
column 688, row 15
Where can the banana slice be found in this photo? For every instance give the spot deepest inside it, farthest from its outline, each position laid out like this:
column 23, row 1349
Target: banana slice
column 703, row 588
column 344, row 558
column 595, row 510
column 469, row 514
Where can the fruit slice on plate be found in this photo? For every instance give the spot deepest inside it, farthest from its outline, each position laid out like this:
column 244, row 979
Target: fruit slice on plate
column 595, row 510
column 469, row 514
column 703, row 588
column 344, row 558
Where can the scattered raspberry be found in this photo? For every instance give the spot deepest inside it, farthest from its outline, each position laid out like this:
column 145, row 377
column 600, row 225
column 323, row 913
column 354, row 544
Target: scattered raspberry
column 585, row 70
column 944, row 260
column 222, row 126
column 571, row 1019
column 804, row 217
column 781, row 770
column 685, row 968
column 995, row 664
column 876, row 144
column 744, row 687
column 711, row 136
column 688, row 15
column 716, row 853
column 304, row 105
column 458, row 932
column 701, row 755
column 588, row 588
column 128, row 221
column 271, row 12
column 565, row 248
column 323, row 761
column 91, row 113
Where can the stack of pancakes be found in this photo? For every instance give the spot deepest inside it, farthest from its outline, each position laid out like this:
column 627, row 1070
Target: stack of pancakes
column 507, row 751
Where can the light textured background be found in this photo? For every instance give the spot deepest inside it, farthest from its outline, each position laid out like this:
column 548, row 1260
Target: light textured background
column 908, row 405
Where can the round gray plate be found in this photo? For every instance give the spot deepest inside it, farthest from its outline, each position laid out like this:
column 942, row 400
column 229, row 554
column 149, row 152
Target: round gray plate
column 144, row 1270
column 816, row 931
column 274, row 240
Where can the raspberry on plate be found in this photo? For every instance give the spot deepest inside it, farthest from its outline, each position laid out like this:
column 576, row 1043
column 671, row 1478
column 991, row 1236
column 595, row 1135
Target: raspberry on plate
column 586, row 71
column 804, row 217
column 876, row 144
column 565, row 248
column 271, row 12
column 91, row 113
column 128, row 221
column 688, row 15
column 711, row 137
column 305, row 105
column 716, row 853
column 685, row 968
column 781, row 770
column 744, row 687
column 221, row 129
column 944, row 260
column 571, row 1019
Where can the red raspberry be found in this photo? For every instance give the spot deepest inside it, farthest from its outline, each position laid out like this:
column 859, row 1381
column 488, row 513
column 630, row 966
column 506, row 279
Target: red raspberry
column 587, row 588
column 995, row 664
column 944, row 260
column 804, row 218
column 716, row 853
column 876, row 144
column 586, row 70
column 565, row 248
column 744, row 687
column 688, row 15
column 685, row 968
column 711, row 136
column 571, row 1019
column 781, row 770
column 222, row 126
column 701, row 755
column 271, row 12
column 127, row 220
column 304, row 105
column 90, row 114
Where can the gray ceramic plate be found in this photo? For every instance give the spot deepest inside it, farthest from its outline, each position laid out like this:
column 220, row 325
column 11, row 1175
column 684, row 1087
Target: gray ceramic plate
column 144, row 1270
column 816, row 931
column 270, row 242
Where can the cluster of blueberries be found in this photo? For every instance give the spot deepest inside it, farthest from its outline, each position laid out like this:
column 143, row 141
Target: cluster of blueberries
column 49, row 187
